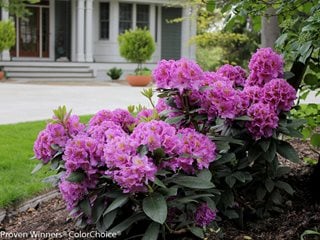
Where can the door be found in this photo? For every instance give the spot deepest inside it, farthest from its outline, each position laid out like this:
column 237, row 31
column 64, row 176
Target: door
column 29, row 34
column 33, row 32
column 171, row 34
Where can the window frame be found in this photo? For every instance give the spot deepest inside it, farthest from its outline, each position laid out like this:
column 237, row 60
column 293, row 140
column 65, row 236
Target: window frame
column 107, row 21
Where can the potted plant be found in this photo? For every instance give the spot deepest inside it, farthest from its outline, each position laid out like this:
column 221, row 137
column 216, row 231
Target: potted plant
column 115, row 73
column 137, row 46
column 7, row 39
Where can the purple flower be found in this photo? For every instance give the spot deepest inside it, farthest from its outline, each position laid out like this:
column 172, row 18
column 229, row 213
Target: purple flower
column 182, row 74
column 119, row 116
column 135, row 174
column 264, row 120
column 204, row 215
column 254, row 93
column 81, row 153
column 145, row 114
column 279, row 94
column 220, row 100
column 264, row 66
column 235, row 74
column 156, row 134
column 195, row 149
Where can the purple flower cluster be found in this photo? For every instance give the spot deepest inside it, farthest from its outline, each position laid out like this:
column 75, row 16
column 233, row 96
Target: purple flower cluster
column 204, row 215
column 80, row 154
column 118, row 116
column 194, row 149
column 279, row 94
column 182, row 74
column 235, row 74
column 55, row 136
column 264, row 120
column 156, row 134
column 227, row 94
column 264, row 66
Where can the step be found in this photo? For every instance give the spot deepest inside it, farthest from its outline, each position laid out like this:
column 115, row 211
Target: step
column 48, row 75
column 52, row 80
column 48, row 69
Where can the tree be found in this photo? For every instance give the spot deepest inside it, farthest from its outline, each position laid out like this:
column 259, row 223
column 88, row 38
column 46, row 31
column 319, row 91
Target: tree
column 17, row 7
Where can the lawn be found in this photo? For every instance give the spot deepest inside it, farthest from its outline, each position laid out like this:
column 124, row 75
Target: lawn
column 16, row 149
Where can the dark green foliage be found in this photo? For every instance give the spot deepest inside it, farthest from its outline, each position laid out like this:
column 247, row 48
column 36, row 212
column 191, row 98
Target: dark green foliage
column 114, row 73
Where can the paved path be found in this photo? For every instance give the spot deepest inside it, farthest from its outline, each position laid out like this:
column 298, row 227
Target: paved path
column 28, row 102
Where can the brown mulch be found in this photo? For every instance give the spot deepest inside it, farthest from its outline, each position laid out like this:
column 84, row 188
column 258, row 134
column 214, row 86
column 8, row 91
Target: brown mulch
column 300, row 213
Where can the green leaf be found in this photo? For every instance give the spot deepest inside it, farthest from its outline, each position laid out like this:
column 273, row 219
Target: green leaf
column 109, row 218
column 269, row 184
column 193, row 182
column 152, row 232
column 118, row 202
column 158, row 182
column 264, row 144
column 143, row 150
column 76, row 177
column 308, row 232
column 261, row 193
column 285, row 186
column 287, row 151
column 205, row 174
column 85, row 207
column 243, row 118
column 158, row 154
column 37, row 168
column 155, row 207
column 271, row 153
column 211, row 5
column 254, row 153
column 311, row 79
column 283, row 170
column 230, row 180
column 231, row 214
column 198, row 232
column 121, row 227
column 192, row 198
column 174, row 120
column 98, row 209
column 315, row 139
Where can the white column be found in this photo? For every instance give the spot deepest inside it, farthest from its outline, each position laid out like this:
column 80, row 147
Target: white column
column 80, row 31
column 5, row 53
column 89, row 31
column 73, row 30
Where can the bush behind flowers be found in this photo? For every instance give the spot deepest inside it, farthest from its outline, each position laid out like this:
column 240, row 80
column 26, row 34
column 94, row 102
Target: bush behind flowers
column 207, row 150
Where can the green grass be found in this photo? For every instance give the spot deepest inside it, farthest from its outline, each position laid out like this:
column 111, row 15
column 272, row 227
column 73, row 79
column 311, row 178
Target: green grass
column 16, row 148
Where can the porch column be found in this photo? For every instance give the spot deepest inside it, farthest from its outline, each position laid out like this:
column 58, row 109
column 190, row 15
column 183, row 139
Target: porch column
column 89, row 28
column 5, row 17
column 80, row 31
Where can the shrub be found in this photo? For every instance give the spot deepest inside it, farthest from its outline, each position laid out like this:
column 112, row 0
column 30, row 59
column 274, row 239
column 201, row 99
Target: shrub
column 114, row 73
column 209, row 147
column 7, row 35
column 136, row 46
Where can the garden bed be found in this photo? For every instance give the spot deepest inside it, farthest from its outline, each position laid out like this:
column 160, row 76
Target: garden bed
column 300, row 212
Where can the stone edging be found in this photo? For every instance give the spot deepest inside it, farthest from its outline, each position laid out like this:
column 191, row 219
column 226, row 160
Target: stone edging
column 32, row 203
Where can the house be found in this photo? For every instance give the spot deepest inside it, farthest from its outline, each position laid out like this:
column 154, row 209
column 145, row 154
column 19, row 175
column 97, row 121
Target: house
column 83, row 33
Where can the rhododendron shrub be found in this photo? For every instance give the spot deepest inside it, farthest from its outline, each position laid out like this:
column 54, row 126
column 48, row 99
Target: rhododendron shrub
column 244, row 114
column 208, row 148
column 122, row 168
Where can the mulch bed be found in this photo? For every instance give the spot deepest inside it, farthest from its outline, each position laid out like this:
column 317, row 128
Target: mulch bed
column 301, row 212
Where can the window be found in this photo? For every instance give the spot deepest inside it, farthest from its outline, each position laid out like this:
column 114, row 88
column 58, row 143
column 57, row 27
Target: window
column 143, row 16
column 125, row 17
column 104, row 20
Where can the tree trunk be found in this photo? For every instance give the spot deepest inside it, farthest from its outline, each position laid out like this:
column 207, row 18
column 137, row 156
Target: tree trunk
column 270, row 30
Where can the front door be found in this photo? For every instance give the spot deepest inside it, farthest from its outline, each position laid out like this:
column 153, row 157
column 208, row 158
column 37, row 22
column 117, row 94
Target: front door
column 33, row 33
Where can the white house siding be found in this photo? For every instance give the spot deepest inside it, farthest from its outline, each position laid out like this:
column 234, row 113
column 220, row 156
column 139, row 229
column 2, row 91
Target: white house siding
column 86, row 47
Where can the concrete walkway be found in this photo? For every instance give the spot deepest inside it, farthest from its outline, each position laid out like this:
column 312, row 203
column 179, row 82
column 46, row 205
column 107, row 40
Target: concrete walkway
column 21, row 102
column 28, row 102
